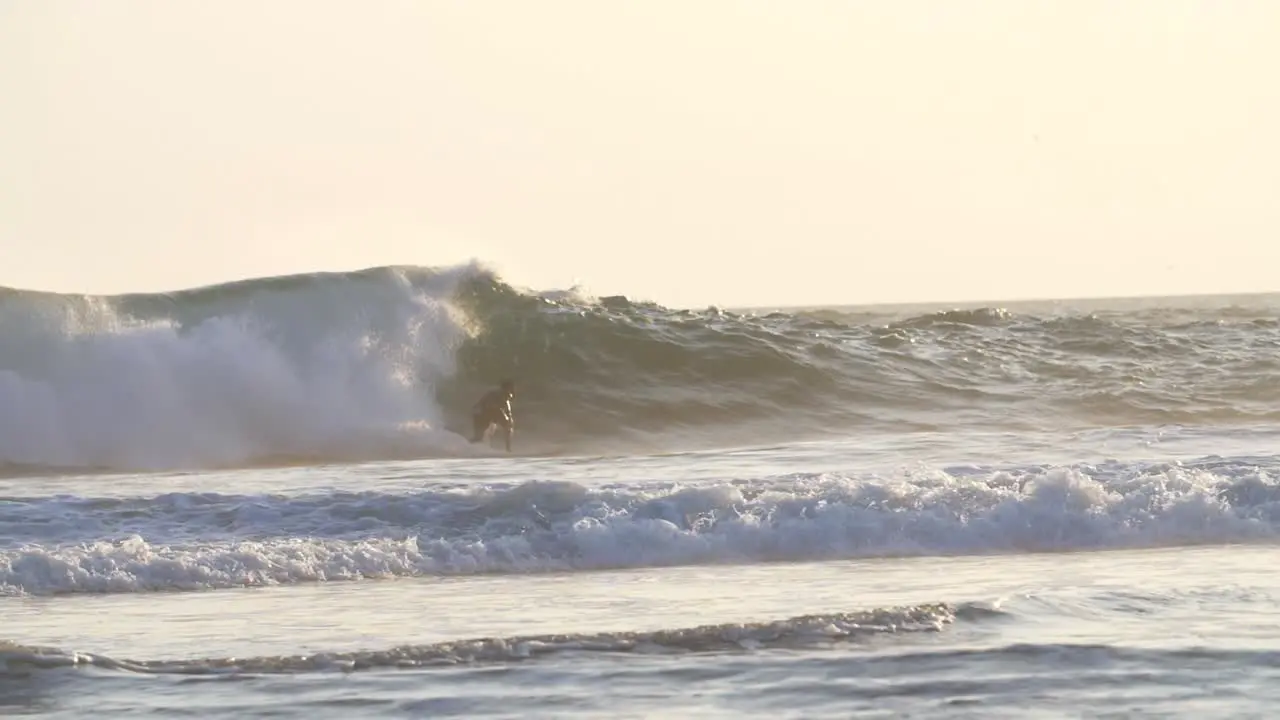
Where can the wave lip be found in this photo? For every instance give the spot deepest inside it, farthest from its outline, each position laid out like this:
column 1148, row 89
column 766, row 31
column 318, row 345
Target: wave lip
column 803, row 631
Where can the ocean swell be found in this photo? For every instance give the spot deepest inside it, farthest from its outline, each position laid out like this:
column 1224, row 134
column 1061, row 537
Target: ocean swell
column 386, row 362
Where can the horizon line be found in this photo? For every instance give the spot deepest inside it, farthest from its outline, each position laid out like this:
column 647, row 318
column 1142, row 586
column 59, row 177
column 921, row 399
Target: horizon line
column 734, row 307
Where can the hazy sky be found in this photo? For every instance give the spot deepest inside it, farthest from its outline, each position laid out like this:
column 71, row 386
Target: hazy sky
column 714, row 151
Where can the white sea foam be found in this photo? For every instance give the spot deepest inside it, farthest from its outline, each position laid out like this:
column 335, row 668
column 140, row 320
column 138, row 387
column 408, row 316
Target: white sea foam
column 184, row 541
column 304, row 370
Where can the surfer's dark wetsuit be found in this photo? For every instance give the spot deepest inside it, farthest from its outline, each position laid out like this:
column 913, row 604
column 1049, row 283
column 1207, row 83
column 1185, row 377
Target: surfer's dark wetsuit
column 494, row 409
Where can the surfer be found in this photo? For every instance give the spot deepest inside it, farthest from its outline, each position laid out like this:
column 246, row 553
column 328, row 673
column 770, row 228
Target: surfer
column 494, row 409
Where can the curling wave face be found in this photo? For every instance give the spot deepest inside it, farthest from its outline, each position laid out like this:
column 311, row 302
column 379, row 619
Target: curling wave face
column 384, row 363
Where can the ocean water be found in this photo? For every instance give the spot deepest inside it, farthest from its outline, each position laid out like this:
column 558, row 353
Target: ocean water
column 252, row 500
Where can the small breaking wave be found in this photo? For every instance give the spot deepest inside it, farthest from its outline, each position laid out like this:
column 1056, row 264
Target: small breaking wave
column 804, row 631
column 198, row 541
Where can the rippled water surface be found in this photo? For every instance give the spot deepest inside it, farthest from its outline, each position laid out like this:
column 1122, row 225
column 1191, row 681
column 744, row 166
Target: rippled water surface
column 247, row 501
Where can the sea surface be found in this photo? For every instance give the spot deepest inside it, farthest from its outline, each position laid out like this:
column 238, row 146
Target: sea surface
column 253, row 500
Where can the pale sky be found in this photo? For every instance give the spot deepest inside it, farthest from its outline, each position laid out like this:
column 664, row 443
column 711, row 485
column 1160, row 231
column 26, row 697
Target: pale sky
column 693, row 152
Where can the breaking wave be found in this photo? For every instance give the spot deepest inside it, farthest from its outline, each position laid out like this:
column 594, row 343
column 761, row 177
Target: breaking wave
column 200, row 541
column 385, row 362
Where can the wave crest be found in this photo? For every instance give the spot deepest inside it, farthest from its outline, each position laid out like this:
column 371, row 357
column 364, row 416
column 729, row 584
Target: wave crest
column 386, row 362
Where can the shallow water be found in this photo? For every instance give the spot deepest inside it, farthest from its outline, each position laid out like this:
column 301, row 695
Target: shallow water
column 944, row 620
column 1128, row 633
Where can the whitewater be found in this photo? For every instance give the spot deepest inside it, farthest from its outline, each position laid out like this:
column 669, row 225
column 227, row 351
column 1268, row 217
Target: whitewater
column 257, row 499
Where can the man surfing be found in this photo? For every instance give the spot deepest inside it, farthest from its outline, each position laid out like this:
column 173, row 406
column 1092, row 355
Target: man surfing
column 494, row 409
